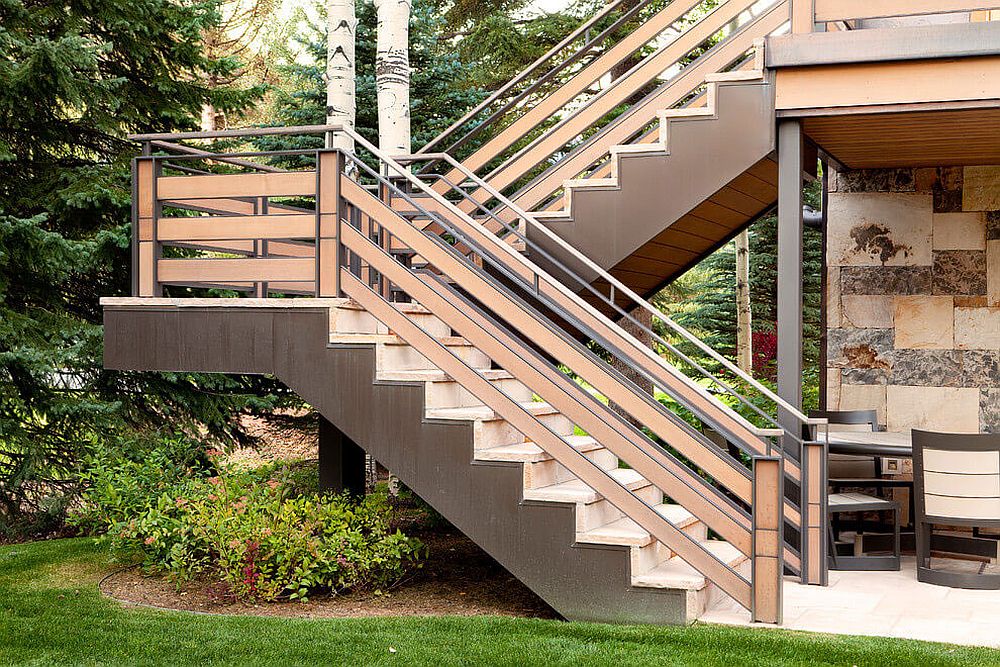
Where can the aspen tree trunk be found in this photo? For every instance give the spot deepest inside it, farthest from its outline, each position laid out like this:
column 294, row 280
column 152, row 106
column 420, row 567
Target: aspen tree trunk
column 341, row 106
column 392, row 75
column 744, row 335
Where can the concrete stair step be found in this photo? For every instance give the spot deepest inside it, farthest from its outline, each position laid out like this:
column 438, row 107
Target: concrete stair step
column 627, row 532
column 529, row 452
column 577, row 491
column 676, row 574
column 436, row 375
column 482, row 413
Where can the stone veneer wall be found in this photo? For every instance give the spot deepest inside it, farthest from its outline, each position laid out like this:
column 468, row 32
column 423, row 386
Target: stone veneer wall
column 913, row 294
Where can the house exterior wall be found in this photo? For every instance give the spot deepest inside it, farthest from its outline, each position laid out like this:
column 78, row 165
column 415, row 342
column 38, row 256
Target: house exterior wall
column 913, row 296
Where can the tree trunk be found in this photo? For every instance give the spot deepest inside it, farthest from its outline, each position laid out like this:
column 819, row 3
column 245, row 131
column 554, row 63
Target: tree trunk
column 392, row 75
column 744, row 334
column 341, row 105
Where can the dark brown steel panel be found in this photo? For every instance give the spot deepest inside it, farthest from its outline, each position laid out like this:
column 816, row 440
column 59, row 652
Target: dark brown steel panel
column 534, row 541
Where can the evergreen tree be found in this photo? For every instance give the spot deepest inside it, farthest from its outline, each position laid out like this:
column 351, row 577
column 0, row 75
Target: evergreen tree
column 712, row 312
column 75, row 78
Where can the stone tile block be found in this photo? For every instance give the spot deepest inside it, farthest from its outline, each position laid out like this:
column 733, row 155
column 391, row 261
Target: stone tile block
column 977, row 328
column 926, row 368
column 924, row 178
column 971, row 301
column 959, row 272
column 959, row 231
column 993, row 272
column 993, row 225
column 981, row 189
column 833, row 300
column 981, row 368
column 866, row 311
column 864, row 376
column 924, row 322
column 878, row 229
column 859, row 348
column 886, row 280
column 876, row 180
column 832, row 388
column 951, row 409
column 864, row 397
column 989, row 411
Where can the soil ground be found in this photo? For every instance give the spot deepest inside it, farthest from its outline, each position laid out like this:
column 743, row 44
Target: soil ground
column 457, row 578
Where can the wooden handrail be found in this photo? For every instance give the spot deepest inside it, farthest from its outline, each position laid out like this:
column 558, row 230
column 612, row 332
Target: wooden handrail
column 486, row 290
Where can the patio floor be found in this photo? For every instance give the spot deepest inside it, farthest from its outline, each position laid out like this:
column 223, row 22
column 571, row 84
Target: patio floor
column 885, row 604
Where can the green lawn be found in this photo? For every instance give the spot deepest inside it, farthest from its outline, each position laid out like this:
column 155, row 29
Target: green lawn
column 51, row 613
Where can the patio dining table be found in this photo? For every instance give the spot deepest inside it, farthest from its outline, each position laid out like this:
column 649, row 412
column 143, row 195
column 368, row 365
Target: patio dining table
column 872, row 443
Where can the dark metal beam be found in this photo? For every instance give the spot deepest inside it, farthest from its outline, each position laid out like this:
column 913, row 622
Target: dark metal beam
column 790, row 223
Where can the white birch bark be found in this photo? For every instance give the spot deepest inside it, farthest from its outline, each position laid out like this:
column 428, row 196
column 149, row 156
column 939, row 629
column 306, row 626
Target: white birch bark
column 392, row 75
column 341, row 105
column 744, row 335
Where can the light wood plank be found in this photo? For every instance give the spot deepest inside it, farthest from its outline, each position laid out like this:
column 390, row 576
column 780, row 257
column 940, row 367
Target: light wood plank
column 226, row 270
column 237, row 227
column 293, row 183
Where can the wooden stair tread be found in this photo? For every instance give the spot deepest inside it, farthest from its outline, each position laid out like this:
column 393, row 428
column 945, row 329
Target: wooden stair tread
column 577, row 491
column 529, row 452
column 486, row 413
column 675, row 573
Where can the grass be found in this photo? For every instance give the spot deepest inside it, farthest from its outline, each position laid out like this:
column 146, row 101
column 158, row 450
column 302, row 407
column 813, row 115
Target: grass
column 52, row 614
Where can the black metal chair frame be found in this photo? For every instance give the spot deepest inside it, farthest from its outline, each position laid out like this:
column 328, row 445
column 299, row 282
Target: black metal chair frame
column 843, row 562
column 924, row 522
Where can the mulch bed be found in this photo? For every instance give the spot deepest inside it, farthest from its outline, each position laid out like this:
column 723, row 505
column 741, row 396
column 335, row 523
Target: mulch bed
column 457, row 578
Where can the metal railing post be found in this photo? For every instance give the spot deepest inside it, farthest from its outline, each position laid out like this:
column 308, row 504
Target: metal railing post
column 767, row 539
column 329, row 167
column 814, row 513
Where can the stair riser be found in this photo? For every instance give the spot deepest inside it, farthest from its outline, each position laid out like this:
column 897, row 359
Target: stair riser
column 594, row 515
column 546, row 473
column 406, row 358
column 453, row 395
column 497, row 432
column 645, row 558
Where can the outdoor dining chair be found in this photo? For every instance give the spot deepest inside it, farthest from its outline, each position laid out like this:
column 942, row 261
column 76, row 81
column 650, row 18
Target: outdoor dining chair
column 848, row 471
column 957, row 483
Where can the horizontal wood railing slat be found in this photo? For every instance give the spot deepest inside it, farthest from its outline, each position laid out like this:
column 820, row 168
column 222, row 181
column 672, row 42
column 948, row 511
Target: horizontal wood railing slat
column 217, row 228
column 235, row 270
column 219, row 186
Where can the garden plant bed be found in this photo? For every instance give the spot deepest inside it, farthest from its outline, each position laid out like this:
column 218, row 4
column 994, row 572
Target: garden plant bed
column 457, row 579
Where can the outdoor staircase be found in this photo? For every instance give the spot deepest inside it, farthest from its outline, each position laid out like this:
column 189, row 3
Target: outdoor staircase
column 668, row 203
column 597, row 522
column 449, row 339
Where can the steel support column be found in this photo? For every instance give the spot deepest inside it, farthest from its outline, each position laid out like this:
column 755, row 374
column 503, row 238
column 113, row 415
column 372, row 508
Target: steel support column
column 790, row 163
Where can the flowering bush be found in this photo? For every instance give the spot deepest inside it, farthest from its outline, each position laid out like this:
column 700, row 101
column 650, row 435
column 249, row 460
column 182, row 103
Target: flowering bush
column 258, row 531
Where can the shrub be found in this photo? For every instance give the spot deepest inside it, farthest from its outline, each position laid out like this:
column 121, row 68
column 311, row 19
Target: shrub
column 266, row 533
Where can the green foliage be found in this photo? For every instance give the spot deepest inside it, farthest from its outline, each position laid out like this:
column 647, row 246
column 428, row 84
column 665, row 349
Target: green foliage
column 711, row 313
column 75, row 78
column 266, row 533
column 441, row 88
